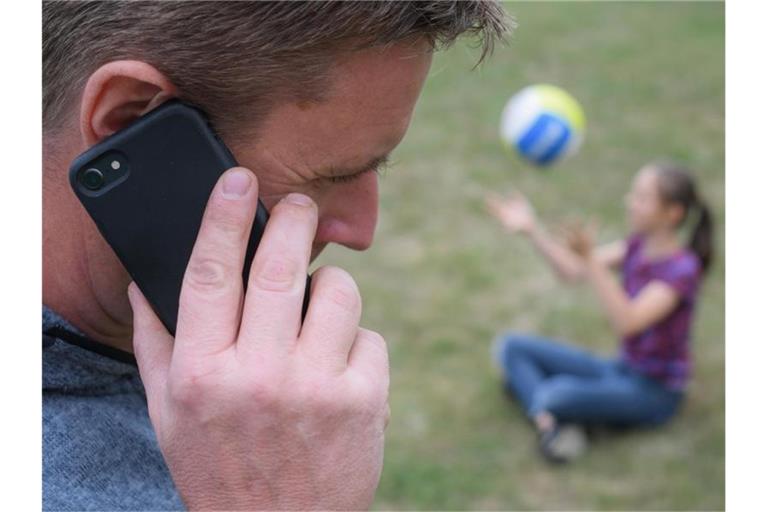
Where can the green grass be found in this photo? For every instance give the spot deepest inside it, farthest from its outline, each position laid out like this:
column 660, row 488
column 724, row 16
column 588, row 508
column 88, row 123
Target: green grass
column 442, row 279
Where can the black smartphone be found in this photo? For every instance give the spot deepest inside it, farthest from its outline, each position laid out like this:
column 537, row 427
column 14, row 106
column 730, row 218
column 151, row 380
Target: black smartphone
column 146, row 188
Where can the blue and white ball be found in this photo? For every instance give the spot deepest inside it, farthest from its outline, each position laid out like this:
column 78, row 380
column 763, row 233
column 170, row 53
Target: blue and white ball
column 543, row 124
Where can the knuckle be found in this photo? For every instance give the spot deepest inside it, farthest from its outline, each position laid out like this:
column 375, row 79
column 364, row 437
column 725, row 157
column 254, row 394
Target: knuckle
column 346, row 297
column 330, row 398
column 265, row 395
column 315, row 397
column 373, row 337
column 207, row 275
column 277, row 274
column 270, row 388
column 376, row 340
column 225, row 219
column 340, row 288
column 187, row 390
column 181, row 394
column 367, row 395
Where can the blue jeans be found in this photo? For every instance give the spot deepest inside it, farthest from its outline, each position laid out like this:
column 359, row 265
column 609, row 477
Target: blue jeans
column 576, row 386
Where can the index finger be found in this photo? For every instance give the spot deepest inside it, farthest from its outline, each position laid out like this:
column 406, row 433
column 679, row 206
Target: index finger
column 211, row 294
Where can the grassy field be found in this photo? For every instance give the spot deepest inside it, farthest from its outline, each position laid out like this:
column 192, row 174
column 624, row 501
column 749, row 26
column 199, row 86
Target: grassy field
column 442, row 278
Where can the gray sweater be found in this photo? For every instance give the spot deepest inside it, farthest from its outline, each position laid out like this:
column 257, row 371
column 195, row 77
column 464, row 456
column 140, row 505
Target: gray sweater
column 99, row 449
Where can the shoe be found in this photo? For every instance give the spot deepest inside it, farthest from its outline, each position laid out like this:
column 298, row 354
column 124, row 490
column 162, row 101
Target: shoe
column 563, row 443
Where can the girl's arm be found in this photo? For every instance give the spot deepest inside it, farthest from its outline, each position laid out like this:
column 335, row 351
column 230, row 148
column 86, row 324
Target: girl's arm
column 612, row 254
column 517, row 215
column 628, row 316
column 568, row 265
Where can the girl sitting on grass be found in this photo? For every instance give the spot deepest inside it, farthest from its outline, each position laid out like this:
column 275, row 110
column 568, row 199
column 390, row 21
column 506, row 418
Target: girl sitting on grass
column 563, row 388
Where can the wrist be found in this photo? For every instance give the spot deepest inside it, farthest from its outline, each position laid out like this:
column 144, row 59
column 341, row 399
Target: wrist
column 592, row 263
column 532, row 231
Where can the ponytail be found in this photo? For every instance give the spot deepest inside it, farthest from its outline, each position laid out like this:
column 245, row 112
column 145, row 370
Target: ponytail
column 701, row 241
column 677, row 186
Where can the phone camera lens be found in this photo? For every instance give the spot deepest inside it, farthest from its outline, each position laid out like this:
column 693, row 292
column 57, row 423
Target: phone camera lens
column 92, row 179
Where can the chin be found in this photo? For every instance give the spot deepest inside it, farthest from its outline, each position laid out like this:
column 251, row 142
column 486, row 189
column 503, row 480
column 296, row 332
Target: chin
column 639, row 229
column 636, row 225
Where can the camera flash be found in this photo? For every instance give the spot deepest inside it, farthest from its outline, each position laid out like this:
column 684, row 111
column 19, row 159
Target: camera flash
column 115, row 164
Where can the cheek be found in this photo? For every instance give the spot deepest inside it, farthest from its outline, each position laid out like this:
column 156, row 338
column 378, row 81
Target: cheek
column 646, row 213
column 634, row 207
column 640, row 216
column 649, row 214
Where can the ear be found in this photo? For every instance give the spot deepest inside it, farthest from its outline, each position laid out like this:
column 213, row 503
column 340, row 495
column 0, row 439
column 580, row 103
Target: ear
column 117, row 93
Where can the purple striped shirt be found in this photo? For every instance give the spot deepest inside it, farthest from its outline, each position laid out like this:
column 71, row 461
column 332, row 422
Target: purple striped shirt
column 662, row 351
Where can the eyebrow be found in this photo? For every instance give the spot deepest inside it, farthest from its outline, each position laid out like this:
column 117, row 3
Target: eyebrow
column 374, row 163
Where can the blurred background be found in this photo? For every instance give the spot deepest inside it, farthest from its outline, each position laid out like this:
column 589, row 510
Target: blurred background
column 442, row 277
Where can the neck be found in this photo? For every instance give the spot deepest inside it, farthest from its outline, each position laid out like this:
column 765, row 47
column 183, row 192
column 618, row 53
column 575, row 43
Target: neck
column 82, row 279
column 661, row 243
column 85, row 312
column 70, row 289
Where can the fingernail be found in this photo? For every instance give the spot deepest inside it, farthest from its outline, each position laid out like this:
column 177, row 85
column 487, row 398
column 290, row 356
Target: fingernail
column 236, row 183
column 298, row 199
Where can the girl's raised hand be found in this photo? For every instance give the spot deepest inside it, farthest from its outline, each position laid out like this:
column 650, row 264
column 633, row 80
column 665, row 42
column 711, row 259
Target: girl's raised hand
column 514, row 212
column 580, row 237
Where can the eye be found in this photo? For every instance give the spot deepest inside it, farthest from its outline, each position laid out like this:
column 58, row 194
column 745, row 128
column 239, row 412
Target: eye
column 378, row 169
column 349, row 177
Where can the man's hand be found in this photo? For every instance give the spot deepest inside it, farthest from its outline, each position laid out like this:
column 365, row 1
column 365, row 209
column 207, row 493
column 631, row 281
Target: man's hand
column 514, row 212
column 253, row 410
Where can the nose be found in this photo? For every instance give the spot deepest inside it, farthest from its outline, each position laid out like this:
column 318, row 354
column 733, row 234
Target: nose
column 349, row 214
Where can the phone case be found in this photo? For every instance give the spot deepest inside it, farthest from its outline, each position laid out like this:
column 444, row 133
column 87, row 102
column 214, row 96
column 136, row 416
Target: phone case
column 162, row 168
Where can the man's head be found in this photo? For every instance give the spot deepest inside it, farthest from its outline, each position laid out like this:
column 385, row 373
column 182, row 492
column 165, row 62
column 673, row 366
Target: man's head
column 311, row 96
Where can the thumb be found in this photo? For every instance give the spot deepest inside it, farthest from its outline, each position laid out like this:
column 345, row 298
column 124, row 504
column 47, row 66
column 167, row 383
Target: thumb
column 152, row 345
